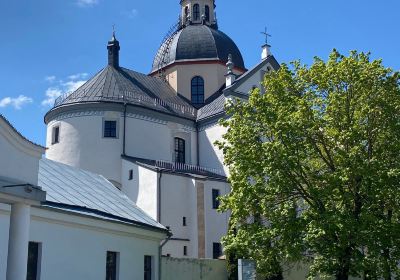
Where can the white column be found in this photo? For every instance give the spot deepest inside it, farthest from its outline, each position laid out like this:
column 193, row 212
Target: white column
column 18, row 241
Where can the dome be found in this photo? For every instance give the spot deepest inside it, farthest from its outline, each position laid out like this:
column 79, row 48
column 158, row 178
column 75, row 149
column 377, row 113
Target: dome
column 197, row 42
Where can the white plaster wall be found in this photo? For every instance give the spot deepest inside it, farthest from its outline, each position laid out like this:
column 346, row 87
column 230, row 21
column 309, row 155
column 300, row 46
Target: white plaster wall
column 178, row 200
column 4, row 228
column 142, row 190
column 82, row 144
column 216, row 223
column 253, row 80
column 16, row 162
column 210, row 155
column 75, row 247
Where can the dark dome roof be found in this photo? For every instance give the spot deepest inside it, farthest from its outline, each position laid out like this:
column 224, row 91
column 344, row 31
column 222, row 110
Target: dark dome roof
column 197, row 42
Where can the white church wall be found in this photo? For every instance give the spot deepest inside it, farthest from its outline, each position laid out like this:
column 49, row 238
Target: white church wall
column 142, row 189
column 216, row 223
column 82, row 144
column 75, row 247
column 178, row 200
column 210, row 155
column 254, row 80
column 4, row 227
column 17, row 160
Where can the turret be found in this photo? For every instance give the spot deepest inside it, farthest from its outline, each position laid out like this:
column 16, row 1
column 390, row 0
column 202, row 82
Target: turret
column 198, row 12
column 113, row 51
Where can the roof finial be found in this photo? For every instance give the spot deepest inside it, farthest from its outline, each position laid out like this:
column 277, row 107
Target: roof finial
column 266, row 34
column 230, row 76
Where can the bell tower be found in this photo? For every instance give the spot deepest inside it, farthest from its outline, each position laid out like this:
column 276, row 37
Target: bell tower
column 198, row 12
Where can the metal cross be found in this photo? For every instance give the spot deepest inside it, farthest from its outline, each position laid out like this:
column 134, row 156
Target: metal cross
column 266, row 35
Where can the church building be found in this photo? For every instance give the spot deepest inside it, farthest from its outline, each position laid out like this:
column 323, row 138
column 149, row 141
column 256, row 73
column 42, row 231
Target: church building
column 152, row 135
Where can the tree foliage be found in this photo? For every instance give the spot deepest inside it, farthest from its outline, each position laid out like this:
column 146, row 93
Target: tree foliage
column 315, row 169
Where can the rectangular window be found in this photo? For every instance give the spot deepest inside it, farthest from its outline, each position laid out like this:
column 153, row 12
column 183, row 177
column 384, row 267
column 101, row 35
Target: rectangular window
column 130, row 175
column 110, row 129
column 217, row 252
column 56, row 135
column 148, row 271
column 185, row 250
column 34, row 252
column 112, row 266
column 184, row 221
column 215, row 201
column 179, row 150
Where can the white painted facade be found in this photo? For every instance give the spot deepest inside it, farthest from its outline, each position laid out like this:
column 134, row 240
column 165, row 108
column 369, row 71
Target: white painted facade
column 75, row 247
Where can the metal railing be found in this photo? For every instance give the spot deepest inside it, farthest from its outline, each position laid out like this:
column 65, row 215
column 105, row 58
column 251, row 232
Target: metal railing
column 135, row 98
column 183, row 167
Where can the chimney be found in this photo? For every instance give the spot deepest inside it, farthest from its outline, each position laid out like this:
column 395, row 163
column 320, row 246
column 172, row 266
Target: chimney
column 230, row 76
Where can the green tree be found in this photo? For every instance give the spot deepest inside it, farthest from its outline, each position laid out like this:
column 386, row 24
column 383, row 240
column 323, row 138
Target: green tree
column 315, row 169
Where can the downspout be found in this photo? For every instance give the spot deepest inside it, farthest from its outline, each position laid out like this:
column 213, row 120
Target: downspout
column 159, row 196
column 124, row 136
column 160, row 253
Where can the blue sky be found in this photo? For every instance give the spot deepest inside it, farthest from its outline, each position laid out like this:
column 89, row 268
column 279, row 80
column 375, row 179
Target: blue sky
column 49, row 47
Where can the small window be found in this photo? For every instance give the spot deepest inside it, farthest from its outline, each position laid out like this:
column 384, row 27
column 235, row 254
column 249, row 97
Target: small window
column 215, row 196
column 112, row 266
column 110, row 129
column 148, row 270
column 186, row 12
column 56, row 135
column 185, row 250
column 184, row 221
column 197, row 90
column 196, row 12
column 33, row 268
column 179, row 150
column 130, row 175
column 217, row 252
column 207, row 13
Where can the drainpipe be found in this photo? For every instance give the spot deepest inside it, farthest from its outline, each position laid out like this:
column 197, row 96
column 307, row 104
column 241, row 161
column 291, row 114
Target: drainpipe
column 124, row 138
column 198, row 145
column 160, row 253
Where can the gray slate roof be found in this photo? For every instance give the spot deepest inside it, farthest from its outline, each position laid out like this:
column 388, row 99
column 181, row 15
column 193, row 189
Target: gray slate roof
column 215, row 107
column 86, row 193
column 199, row 42
column 122, row 85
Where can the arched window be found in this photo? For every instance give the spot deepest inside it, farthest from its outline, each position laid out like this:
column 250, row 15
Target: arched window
column 186, row 12
column 207, row 12
column 179, row 150
column 197, row 90
column 196, row 12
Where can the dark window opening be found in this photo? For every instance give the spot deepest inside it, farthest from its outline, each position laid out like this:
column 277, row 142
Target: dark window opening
column 33, row 261
column 179, row 150
column 185, row 250
column 196, row 12
column 111, row 265
column 110, row 129
column 217, row 251
column 184, row 221
column 197, row 90
column 130, row 175
column 207, row 13
column 147, row 267
column 56, row 135
column 215, row 200
column 186, row 12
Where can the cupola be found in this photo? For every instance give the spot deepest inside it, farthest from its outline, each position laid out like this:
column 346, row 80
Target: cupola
column 113, row 51
column 198, row 12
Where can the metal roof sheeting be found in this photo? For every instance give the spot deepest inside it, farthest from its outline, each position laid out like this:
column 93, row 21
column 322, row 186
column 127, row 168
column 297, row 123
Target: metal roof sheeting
column 67, row 187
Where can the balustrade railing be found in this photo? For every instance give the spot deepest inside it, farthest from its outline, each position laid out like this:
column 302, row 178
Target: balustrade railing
column 176, row 166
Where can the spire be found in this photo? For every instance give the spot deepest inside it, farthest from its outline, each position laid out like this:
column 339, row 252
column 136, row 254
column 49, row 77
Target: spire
column 113, row 50
column 230, row 76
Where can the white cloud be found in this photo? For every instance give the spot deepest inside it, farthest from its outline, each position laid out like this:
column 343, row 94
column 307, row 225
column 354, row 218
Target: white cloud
column 50, row 79
column 17, row 103
column 131, row 13
column 87, row 3
column 52, row 93
column 78, row 76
